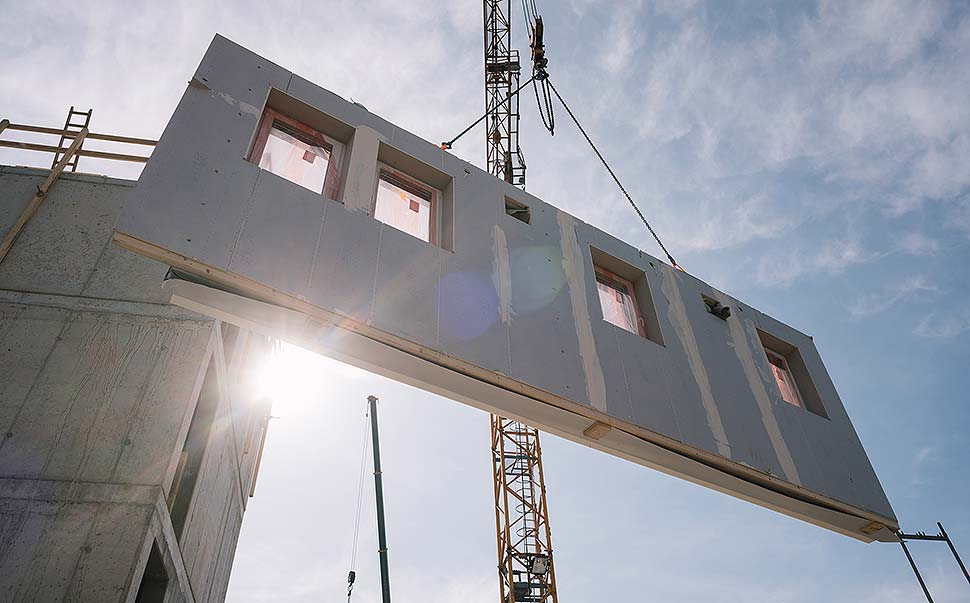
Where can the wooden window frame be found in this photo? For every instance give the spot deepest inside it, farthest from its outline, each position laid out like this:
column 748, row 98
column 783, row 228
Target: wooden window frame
column 608, row 276
column 309, row 136
column 791, row 378
column 413, row 186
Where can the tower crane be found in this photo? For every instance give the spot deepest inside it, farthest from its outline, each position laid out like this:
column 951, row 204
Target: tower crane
column 525, row 564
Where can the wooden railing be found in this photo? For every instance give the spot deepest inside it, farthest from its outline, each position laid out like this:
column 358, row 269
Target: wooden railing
column 5, row 125
column 63, row 156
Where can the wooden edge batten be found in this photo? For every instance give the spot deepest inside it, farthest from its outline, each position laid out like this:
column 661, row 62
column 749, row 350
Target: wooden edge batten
column 33, row 146
column 72, row 134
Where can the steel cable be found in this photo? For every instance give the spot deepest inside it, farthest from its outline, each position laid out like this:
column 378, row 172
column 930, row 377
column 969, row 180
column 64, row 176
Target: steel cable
column 613, row 174
column 360, row 497
column 447, row 145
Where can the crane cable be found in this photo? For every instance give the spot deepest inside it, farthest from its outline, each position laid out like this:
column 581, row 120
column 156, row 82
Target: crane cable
column 352, row 575
column 447, row 145
column 673, row 262
column 545, row 103
column 541, row 77
column 533, row 24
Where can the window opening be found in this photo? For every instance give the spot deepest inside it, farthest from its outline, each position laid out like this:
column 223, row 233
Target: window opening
column 517, row 210
column 193, row 451
column 791, row 374
column 406, row 205
column 230, row 335
column 154, row 582
column 298, row 153
column 784, row 379
column 618, row 301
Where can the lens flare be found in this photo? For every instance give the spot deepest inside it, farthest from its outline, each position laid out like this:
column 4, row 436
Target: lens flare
column 537, row 277
column 471, row 306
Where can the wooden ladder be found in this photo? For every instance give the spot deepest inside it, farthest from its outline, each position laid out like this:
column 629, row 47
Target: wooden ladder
column 70, row 126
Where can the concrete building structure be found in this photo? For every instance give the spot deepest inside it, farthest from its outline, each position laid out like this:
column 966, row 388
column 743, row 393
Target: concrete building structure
column 274, row 209
column 129, row 435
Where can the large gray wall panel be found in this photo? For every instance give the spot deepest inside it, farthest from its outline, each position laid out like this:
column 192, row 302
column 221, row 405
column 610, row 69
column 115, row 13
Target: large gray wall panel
column 509, row 299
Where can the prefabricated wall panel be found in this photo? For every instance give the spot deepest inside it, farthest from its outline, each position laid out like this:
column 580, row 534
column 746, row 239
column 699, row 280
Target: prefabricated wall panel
column 500, row 314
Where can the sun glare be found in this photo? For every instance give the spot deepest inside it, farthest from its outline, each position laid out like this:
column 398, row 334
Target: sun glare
column 290, row 377
column 294, row 378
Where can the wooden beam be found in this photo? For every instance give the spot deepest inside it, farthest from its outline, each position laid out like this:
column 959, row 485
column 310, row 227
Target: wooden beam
column 72, row 134
column 35, row 203
column 4, row 124
column 30, row 146
column 597, row 430
column 48, row 148
column 125, row 139
column 115, row 156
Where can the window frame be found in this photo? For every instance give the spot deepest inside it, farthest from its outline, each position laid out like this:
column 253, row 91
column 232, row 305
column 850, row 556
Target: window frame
column 331, row 182
column 630, row 290
column 415, row 187
column 791, row 378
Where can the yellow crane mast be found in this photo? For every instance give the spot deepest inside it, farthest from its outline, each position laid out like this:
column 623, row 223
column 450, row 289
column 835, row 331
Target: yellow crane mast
column 525, row 564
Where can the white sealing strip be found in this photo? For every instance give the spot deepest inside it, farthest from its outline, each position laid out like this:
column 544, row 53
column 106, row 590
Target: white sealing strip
column 743, row 350
column 677, row 314
column 572, row 267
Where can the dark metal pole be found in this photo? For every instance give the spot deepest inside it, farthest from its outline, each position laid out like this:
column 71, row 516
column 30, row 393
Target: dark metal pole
column 379, row 491
column 953, row 550
column 916, row 570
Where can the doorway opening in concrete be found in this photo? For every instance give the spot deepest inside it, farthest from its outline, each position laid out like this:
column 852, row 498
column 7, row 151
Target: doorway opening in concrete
column 193, row 450
column 154, row 582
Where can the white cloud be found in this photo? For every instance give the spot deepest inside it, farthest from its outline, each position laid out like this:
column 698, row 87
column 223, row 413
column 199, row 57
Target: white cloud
column 944, row 324
column 918, row 243
column 831, row 257
column 722, row 223
column 871, row 93
column 877, row 35
column 674, row 8
column 924, row 454
column 869, row 304
column 834, row 256
column 959, row 216
column 621, row 39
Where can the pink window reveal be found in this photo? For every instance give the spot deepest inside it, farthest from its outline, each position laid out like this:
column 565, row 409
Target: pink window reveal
column 618, row 302
column 783, row 377
column 298, row 153
column 406, row 205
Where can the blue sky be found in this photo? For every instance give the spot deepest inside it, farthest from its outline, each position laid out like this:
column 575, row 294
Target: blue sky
column 809, row 158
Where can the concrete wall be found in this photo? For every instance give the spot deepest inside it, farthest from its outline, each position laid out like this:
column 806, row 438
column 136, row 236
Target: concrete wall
column 507, row 303
column 99, row 379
